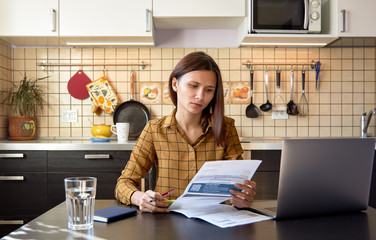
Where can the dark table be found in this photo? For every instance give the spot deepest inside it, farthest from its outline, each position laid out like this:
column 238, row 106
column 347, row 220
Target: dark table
column 53, row 225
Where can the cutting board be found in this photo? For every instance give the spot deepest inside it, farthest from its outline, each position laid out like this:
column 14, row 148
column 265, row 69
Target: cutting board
column 77, row 85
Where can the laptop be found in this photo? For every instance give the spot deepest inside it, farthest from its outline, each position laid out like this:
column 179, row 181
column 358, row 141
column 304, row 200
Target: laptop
column 322, row 176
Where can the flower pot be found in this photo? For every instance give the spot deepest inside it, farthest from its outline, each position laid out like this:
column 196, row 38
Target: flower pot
column 22, row 127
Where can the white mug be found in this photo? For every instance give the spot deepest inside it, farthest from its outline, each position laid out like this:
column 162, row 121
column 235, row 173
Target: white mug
column 121, row 130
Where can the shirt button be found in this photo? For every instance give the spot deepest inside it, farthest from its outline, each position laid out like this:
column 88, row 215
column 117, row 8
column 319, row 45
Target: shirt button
column 191, row 148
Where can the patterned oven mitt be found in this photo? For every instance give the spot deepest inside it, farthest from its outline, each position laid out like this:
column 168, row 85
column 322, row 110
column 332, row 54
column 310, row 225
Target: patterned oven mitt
column 102, row 96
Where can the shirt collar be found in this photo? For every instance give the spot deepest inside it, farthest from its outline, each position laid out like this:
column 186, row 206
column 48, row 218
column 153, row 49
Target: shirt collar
column 170, row 120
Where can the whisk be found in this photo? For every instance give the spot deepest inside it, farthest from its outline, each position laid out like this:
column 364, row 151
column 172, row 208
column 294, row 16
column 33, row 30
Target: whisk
column 303, row 102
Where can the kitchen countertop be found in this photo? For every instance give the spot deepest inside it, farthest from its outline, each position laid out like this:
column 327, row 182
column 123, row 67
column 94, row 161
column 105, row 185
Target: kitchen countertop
column 74, row 144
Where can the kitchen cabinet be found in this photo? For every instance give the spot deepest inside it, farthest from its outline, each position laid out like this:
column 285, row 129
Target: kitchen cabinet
column 106, row 166
column 117, row 21
column 356, row 19
column 29, row 18
column 197, row 24
column 267, row 175
column 23, row 183
column 36, row 178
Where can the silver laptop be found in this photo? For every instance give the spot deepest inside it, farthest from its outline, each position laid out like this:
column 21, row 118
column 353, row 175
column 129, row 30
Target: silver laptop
column 322, row 176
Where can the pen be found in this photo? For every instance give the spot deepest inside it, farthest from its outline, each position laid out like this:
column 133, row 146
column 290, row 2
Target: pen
column 163, row 195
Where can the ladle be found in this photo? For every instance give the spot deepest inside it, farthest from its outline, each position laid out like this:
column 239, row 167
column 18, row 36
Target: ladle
column 252, row 111
column 292, row 108
column 266, row 106
column 303, row 102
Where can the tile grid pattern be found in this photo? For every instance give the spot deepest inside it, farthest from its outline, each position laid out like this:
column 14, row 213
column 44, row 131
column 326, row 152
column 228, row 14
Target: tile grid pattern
column 346, row 87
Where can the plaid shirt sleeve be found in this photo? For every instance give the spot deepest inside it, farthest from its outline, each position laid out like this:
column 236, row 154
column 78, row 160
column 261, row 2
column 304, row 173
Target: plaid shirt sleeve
column 140, row 162
column 234, row 150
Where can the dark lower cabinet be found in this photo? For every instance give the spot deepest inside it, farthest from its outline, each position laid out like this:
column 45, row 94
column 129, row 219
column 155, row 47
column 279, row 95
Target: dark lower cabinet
column 32, row 182
column 23, row 188
column 106, row 166
column 267, row 175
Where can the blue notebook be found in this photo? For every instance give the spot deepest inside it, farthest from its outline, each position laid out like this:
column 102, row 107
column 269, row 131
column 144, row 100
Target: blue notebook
column 112, row 214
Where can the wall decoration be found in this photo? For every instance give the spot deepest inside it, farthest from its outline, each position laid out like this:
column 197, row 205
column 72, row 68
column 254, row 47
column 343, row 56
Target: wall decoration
column 240, row 92
column 150, row 92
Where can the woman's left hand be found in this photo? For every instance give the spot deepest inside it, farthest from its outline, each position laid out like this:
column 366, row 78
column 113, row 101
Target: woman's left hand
column 245, row 197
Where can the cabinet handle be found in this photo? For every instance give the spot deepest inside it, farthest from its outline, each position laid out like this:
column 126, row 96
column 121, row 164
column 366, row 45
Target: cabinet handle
column 11, row 222
column 11, row 155
column 97, row 156
column 343, row 11
column 148, row 20
column 53, row 20
column 12, row 178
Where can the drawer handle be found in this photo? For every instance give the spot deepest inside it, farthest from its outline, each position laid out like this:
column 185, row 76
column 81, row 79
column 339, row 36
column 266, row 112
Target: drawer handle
column 11, row 155
column 11, row 222
column 12, row 178
column 97, row 156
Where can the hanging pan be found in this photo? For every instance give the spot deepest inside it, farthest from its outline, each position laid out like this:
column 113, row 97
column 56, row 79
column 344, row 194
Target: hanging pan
column 133, row 112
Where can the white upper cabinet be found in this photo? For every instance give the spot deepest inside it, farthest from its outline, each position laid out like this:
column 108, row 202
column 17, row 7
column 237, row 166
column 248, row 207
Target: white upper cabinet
column 111, row 20
column 33, row 18
column 198, row 14
column 356, row 18
column 197, row 23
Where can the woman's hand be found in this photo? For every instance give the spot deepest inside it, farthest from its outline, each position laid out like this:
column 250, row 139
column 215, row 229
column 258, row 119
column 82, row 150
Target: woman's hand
column 245, row 197
column 150, row 201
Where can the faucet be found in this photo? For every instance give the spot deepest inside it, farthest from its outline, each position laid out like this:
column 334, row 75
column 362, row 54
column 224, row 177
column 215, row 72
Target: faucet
column 365, row 120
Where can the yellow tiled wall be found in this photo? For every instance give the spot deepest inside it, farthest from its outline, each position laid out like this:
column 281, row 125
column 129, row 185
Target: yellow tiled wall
column 346, row 85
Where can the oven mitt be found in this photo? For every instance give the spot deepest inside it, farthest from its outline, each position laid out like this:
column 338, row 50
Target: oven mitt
column 102, row 96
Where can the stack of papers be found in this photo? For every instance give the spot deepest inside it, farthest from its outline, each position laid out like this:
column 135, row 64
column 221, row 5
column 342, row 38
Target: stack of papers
column 210, row 187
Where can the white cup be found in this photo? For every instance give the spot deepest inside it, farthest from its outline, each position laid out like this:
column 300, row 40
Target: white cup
column 121, row 130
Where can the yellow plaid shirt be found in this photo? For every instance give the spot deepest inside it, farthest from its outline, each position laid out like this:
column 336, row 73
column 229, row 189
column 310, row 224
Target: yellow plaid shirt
column 164, row 143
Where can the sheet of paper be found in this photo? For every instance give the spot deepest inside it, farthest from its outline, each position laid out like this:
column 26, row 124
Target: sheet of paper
column 210, row 187
column 218, row 177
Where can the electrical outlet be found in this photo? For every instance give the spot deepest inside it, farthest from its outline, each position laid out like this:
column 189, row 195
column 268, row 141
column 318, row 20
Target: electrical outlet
column 279, row 113
column 68, row 116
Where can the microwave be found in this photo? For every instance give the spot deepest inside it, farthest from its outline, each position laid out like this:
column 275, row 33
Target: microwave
column 284, row 16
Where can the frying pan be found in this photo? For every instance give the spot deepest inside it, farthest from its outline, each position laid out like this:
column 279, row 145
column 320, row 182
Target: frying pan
column 133, row 112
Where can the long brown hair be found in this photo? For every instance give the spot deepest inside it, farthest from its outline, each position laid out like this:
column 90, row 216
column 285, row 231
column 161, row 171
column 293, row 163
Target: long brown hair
column 196, row 61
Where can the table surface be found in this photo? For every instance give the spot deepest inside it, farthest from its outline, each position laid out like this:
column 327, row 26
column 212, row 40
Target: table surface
column 53, row 225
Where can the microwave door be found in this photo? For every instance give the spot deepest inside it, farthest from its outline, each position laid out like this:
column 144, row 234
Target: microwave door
column 279, row 16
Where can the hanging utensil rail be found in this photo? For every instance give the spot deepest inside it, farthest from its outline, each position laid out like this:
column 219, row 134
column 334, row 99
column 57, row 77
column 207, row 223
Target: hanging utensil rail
column 44, row 65
column 250, row 65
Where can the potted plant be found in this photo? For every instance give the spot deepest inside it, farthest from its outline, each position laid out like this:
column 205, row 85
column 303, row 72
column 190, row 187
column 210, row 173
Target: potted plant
column 25, row 99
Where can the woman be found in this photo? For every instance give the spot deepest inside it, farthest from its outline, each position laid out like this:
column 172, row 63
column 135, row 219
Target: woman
column 180, row 143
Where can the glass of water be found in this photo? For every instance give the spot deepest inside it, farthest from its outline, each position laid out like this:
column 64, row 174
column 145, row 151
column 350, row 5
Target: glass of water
column 80, row 198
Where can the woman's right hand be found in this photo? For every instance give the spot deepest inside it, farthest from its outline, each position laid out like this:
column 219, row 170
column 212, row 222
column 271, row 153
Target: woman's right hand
column 149, row 201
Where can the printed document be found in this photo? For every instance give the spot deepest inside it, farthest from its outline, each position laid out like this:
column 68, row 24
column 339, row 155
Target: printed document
column 210, row 187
